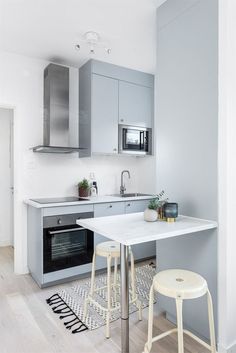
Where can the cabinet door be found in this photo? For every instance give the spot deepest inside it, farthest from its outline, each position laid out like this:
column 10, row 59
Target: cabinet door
column 135, row 104
column 145, row 250
column 136, row 206
column 104, row 115
column 102, row 210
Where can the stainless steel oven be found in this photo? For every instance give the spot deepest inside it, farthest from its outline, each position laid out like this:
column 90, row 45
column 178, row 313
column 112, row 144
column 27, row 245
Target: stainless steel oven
column 65, row 244
column 135, row 140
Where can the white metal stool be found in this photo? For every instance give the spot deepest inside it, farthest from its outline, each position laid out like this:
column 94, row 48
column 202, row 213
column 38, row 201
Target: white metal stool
column 180, row 285
column 111, row 250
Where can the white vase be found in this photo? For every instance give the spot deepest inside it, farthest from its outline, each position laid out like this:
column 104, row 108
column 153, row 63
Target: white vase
column 150, row 215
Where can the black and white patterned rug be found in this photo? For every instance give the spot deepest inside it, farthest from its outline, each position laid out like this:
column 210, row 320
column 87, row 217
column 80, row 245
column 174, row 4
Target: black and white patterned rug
column 69, row 303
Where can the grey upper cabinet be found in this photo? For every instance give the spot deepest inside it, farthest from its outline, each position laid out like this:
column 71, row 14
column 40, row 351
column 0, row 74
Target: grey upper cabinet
column 110, row 95
column 135, row 104
column 104, row 114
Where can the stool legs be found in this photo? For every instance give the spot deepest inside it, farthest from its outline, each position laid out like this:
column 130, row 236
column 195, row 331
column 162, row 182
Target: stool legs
column 93, row 274
column 211, row 322
column 115, row 279
column 108, row 296
column 148, row 345
column 91, row 287
column 180, row 331
column 179, row 310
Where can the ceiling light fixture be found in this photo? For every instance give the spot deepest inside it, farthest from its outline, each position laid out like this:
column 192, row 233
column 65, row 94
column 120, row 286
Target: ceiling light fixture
column 94, row 42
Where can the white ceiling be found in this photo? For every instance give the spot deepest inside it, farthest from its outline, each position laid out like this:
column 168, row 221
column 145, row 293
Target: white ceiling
column 49, row 29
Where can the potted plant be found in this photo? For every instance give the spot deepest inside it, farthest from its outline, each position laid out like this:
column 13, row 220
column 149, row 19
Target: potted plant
column 155, row 208
column 150, row 214
column 84, row 188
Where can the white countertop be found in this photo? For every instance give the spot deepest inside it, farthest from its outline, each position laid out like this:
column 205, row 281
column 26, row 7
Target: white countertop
column 90, row 200
column 131, row 229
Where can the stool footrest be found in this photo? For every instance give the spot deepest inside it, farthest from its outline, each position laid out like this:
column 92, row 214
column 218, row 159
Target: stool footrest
column 196, row 338
column 94, row 302
column 164, row 334
column 174, row 330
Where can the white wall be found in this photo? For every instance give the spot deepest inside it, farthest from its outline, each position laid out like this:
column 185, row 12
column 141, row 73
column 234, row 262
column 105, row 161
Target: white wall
column 227, row 176
column 21, row 86
column 6, row 205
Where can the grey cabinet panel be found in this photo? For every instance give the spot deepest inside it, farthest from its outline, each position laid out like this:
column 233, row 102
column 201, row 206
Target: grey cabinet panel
column 104, row 115
column 145, row 250
column 109, row 94
column 136, row 206
column 109, row 209
column 122, row 73
column 135, row 104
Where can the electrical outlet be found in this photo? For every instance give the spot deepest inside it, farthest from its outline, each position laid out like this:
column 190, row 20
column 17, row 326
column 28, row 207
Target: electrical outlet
column 92, row 175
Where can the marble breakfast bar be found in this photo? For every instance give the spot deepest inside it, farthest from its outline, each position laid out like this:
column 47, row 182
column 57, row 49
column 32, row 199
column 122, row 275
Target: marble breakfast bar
column 131, row 229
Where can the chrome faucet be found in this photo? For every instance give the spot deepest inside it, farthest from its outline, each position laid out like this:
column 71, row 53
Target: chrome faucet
column 122, row 185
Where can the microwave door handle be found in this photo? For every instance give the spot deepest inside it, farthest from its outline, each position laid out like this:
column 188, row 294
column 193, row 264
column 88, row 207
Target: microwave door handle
column 124, row 138
column 141, row 140
column 65, row 231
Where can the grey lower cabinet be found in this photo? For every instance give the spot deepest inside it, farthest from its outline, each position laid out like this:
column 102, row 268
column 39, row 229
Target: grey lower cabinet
column 145, row 250
column 35, row 230
column 141, row 251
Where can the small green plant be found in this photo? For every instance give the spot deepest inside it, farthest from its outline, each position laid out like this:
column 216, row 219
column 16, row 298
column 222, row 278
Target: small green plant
column 157, row 202
column 153, row 204
column 84, row 184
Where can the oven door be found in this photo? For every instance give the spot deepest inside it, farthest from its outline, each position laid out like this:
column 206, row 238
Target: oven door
column 134, row 140
column 66, row 246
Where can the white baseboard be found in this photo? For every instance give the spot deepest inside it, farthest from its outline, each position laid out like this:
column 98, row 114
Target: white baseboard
column 4, row 243
column 231, row 349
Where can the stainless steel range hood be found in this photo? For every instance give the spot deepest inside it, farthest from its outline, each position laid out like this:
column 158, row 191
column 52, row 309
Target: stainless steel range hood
column 57, row 132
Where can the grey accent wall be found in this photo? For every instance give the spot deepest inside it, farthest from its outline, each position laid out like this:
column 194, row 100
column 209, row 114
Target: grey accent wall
column 187, row 123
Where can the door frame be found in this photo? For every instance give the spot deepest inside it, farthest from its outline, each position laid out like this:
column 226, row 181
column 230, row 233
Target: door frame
column 13, row 142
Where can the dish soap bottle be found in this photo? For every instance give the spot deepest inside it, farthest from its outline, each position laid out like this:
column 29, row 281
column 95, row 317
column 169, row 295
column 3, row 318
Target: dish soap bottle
column 94, row 189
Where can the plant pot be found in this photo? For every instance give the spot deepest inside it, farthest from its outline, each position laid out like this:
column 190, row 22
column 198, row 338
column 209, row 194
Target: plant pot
column 83, row 192
column 150, row 215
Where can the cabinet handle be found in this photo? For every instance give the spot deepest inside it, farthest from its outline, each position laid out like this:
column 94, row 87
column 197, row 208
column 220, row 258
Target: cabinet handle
column 128, row 205
column 122, row 120
column 110, row 206
column 114, row 149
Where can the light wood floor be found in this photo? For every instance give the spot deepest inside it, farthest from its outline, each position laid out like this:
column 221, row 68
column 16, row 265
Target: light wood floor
column 28, row 325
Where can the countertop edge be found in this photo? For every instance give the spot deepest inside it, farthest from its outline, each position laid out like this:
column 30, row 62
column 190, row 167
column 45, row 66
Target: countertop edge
column 91, row 201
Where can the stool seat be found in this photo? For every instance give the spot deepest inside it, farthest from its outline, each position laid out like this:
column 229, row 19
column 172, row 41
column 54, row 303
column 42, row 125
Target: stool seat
column 108, row 248
column 180, row 284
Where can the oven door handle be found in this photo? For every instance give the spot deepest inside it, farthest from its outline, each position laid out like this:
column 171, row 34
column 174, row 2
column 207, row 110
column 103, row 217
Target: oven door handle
column 65, row 231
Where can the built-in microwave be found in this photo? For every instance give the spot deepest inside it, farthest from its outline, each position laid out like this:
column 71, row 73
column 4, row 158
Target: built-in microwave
column 135, row 140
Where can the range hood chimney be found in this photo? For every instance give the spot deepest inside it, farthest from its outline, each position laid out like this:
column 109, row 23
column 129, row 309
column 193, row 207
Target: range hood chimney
column 57, row 135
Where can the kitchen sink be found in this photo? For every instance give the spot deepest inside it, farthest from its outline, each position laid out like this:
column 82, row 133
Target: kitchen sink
column 134, row 194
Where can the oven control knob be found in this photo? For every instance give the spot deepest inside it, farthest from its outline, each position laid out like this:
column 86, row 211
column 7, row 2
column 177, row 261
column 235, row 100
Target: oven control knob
column 59, row 221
